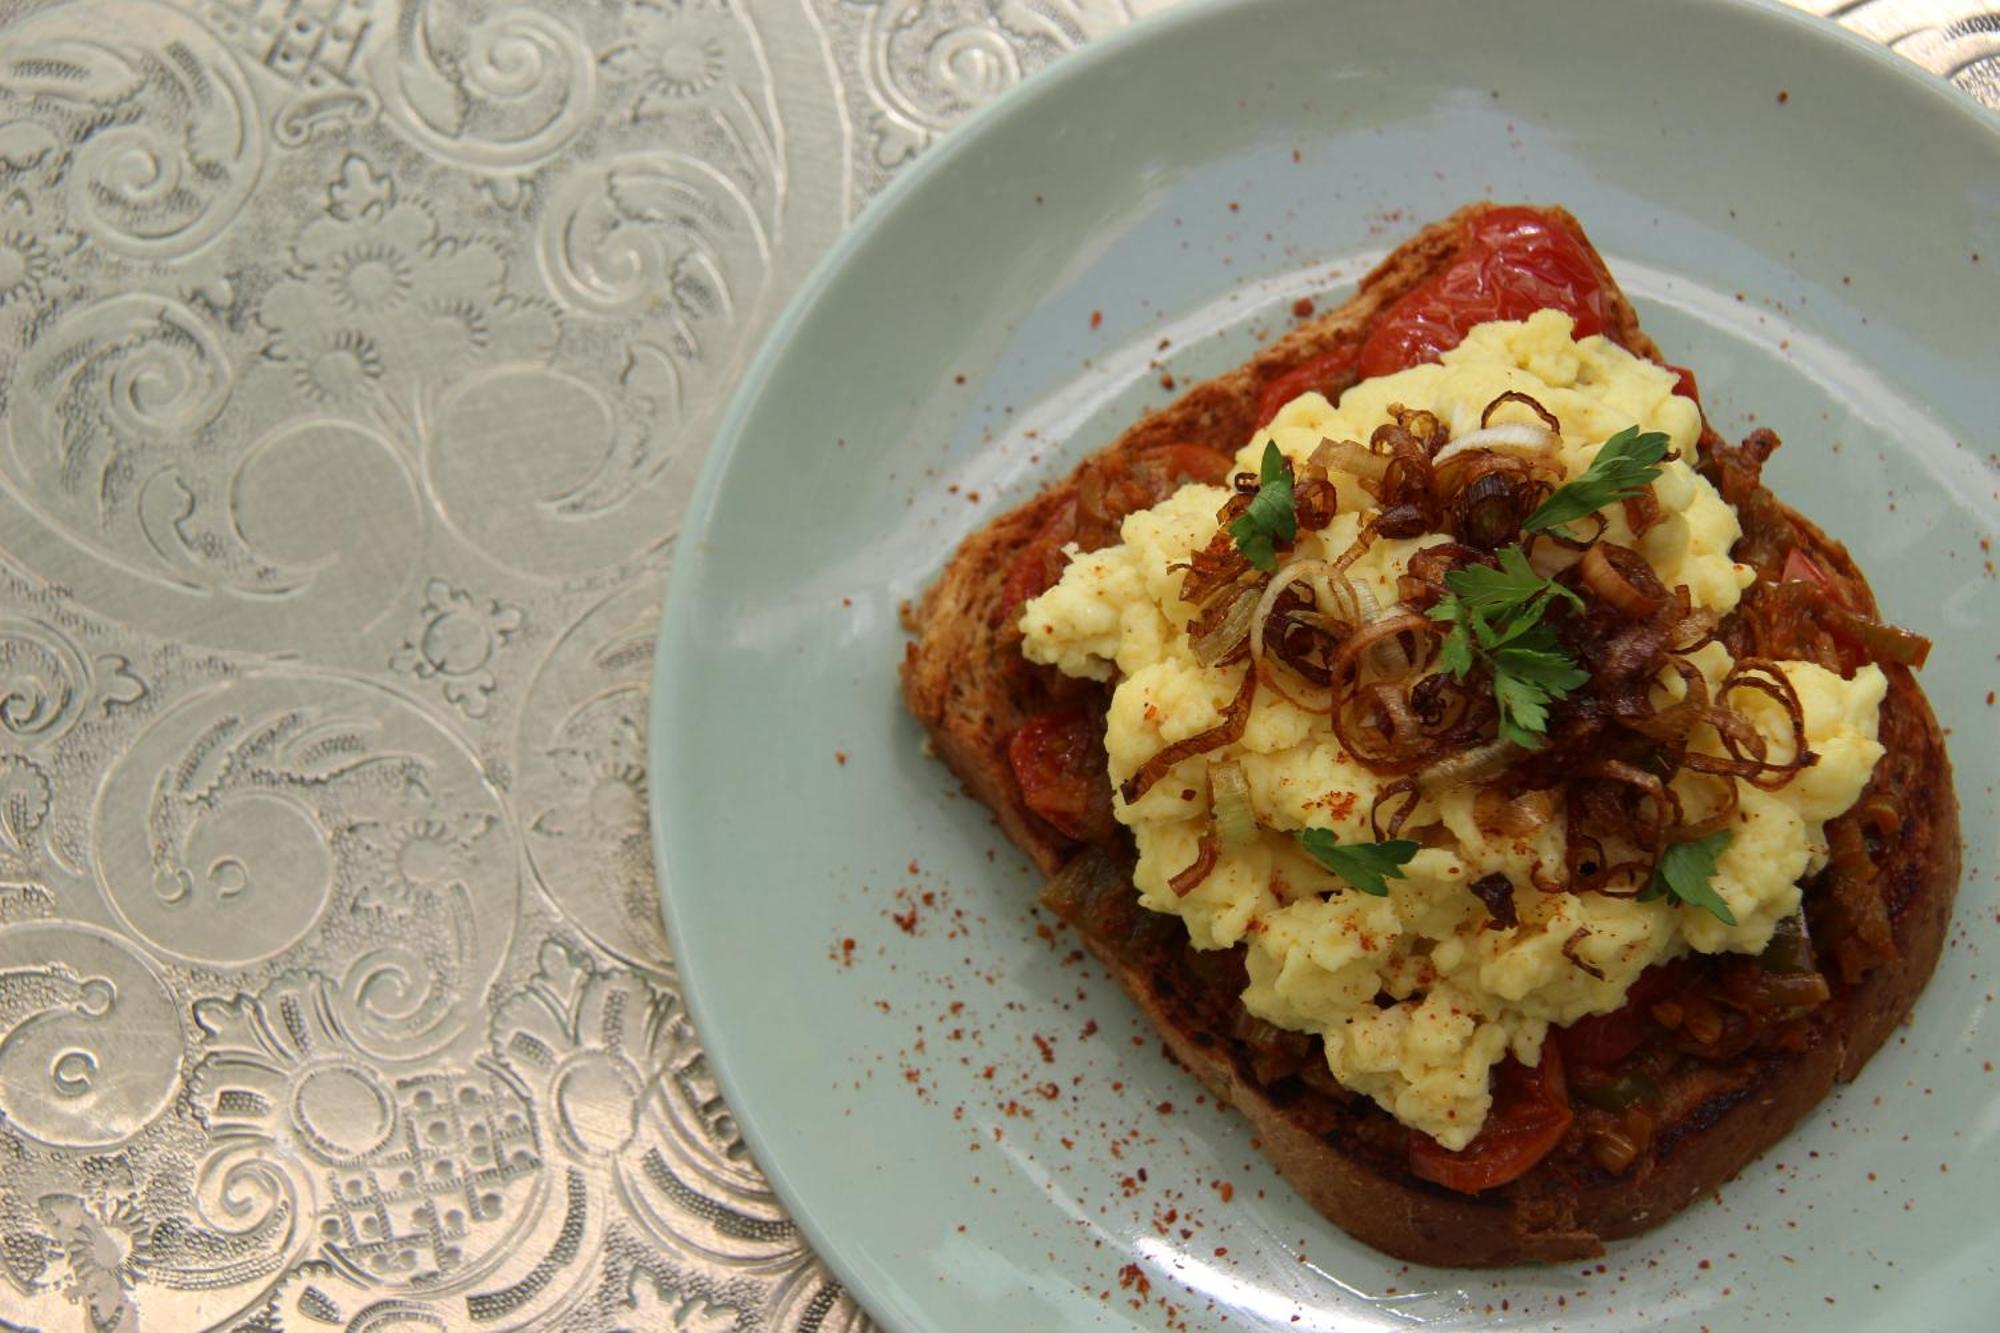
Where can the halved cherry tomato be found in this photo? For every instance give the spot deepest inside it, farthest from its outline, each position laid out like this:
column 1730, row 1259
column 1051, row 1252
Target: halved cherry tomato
column 1122, row 486
column 1684, row 384
column 1601, row 1040
column 1058, row 758
column 1529, row 1116
column 1511, row 263
column 1330, row 373
column 1039, row 564
column 1152, row 474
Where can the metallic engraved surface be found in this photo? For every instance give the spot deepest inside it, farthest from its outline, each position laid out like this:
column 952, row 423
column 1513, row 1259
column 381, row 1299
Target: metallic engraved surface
column 84, row 1059
column 356, row 358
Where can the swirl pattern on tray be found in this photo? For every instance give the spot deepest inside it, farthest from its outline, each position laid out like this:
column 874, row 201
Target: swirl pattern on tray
column 357, row 359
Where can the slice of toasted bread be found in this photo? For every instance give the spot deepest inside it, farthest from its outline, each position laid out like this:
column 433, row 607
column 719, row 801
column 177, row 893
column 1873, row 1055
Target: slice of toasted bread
column 966, row 683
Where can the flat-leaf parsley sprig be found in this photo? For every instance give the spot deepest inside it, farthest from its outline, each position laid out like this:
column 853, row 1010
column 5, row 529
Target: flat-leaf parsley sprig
column 1496, row 618
column 1368, row 866
column 1625, row 465
column 1270, row 519
column 1687, row 874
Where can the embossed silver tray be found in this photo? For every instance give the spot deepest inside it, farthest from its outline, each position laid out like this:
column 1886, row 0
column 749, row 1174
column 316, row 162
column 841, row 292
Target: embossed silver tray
column 355, row 360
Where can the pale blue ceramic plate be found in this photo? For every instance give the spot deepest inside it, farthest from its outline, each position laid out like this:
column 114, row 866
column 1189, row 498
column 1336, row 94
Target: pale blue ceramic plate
column 1810, row 224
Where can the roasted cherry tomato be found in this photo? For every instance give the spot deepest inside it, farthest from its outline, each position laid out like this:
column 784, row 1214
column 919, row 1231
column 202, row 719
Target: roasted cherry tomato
column 1147, row 476
column 1684, row 384
column 1511, row 263
column 1330, row 373
column 1105, row 495
column 1058, row 758
column 1529, row 1116
column 1038, row 564
column 1601, row 1040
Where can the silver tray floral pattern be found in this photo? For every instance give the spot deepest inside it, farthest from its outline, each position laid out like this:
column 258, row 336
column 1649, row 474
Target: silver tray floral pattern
column 355, row 360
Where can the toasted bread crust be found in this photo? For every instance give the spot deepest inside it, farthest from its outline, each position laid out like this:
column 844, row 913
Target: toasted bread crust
column 963, row 680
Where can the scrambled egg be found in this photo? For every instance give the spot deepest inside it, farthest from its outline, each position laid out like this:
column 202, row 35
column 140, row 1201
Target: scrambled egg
column 1464, row 996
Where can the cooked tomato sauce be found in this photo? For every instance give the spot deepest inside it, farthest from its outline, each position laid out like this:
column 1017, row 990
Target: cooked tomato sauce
column 1529, row 1117
column 1058, row 758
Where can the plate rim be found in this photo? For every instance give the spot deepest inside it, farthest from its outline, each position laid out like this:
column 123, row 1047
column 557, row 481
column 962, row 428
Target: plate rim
column 888, row 1306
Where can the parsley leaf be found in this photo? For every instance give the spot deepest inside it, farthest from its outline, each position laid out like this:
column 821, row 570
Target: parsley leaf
column 1528, row 673
column 1270, row 518
column 1368, row 866
column 1503, row 594
column 1626, row 464
column 1496, row 618
column 1457, row 654
column 1685, row 872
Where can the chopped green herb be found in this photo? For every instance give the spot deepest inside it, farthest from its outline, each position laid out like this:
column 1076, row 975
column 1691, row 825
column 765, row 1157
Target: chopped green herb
column 1496, row 619
column 1507, row 593
column 1270, row 519
column 1627, row 463
column 1685, row 874
column 1527, row 676
column 1368, row 866
column 1457, row 655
